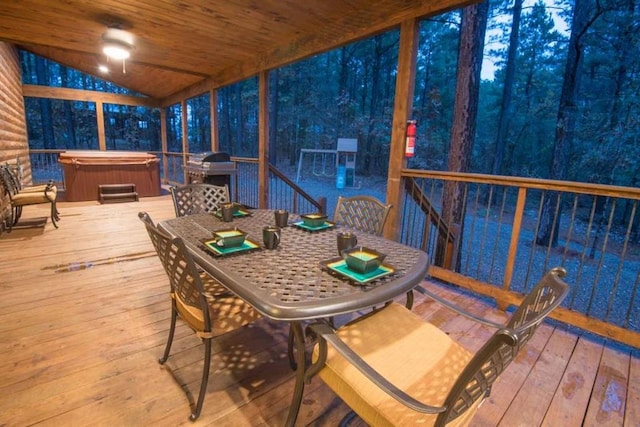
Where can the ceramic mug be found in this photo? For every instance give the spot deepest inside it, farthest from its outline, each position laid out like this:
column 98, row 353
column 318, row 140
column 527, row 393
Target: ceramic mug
column 346, row 240
column 227, row 212
column 281, row 217
column 271, row 237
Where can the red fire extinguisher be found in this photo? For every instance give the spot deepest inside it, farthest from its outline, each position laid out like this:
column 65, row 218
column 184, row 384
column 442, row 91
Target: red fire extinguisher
column 410, row 147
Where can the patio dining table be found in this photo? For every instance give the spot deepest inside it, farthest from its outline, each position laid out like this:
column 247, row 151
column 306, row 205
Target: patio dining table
column 292, row 283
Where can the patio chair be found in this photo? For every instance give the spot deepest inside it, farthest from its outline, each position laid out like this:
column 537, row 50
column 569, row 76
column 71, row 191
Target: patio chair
column 32, row 196
column 393, row 368
column 15, row 176
column 206, row 306
column 198, row 198
column 364, row 213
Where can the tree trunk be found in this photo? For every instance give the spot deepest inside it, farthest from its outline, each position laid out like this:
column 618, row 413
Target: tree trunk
column 507, row 89
column 565, row 124
column 472, row 31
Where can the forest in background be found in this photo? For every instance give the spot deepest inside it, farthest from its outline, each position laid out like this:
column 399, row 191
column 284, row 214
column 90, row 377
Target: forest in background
column 562, row 103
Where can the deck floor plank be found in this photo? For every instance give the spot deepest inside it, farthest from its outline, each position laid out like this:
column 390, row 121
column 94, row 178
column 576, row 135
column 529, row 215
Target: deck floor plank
column 569, row 405
column 608, row 401
column 534, row 397
column 84, row 315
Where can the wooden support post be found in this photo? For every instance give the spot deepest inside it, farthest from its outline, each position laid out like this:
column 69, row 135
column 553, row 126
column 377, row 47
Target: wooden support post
column 102, row 138
column 185, row 138
column 402, row 109
column 213, row 112
column 163, row 142
column 263, row 141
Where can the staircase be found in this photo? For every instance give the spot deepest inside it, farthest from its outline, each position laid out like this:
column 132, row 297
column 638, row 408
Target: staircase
column 116, row 193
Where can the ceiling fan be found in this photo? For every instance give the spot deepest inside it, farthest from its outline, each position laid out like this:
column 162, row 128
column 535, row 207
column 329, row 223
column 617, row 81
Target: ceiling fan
column 118, row 43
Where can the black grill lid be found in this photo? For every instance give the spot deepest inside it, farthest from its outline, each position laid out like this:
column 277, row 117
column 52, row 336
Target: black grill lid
column 216, row 157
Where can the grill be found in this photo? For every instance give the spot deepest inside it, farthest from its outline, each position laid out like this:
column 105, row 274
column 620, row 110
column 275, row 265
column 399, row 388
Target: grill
column 210, row 168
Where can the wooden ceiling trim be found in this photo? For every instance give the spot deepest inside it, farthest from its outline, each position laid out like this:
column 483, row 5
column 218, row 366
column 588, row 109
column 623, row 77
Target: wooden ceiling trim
column 36, row 91
column 145, row 79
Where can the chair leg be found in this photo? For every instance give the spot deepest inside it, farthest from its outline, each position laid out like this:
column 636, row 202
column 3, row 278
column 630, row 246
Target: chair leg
column 172, row 329
column 346, row 420
column 54, row 209
column 409, row 303
column 53, row 215
column 17, row 212
column 205, row 378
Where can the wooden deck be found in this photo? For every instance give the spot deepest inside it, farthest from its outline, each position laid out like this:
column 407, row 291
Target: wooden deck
column 84, row 317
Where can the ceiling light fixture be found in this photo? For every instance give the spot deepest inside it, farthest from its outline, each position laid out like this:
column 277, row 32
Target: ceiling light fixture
column 118, row 45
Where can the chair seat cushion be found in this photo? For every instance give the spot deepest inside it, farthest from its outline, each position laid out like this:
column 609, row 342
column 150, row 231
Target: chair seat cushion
column 227, row 311
column 36, row 188
column 414, row 355
column 34, row 197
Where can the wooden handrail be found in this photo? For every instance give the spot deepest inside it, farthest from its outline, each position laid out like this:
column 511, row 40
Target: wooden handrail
column 298, row 190
column 446, row 236
column 534, row 183
column 421, row 199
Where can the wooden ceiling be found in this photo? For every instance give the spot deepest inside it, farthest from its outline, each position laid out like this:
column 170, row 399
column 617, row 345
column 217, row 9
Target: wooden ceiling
column 185, row 47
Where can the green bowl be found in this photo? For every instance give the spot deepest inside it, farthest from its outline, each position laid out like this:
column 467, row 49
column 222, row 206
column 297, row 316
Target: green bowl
column 229, row 238
column 314, row 219
column 363, row 260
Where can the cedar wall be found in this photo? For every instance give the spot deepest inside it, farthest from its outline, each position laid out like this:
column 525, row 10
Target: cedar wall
column 13, row 126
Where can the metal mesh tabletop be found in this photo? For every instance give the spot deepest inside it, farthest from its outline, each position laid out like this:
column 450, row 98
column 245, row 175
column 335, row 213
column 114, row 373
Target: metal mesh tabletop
column 288, row 283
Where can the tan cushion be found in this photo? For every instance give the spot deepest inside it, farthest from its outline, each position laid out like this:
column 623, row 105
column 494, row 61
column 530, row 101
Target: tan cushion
column 414, row 355
column 34, row 197
column 227, row 312
column 40, row 187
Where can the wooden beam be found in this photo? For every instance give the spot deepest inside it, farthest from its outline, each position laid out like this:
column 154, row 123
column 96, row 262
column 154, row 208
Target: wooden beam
column 185, row 137
column 403, row 105
column 163, row 141
column 213, row 113
column 263, row 141
column 102, row 137
column 36, row 91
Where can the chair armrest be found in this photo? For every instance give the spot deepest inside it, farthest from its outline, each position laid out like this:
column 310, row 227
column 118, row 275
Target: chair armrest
column 453, row 307
column 326, row 334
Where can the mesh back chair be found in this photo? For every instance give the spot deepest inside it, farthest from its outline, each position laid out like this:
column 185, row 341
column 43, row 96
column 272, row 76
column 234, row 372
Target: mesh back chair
column 393, row 368
column 31, row 196
column 208, row 308
column 198, row 198
column 364, row 213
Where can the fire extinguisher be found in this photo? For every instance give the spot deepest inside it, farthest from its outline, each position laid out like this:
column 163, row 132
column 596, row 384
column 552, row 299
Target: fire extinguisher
column 410, row 147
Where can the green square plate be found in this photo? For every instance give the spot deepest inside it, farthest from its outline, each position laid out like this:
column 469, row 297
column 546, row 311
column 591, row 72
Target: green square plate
column 325, row 226
column 213, row 247
column 237, row 214
column 339, row 266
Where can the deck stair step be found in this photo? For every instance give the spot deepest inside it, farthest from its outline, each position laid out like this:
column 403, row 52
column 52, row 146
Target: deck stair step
column 115, row 193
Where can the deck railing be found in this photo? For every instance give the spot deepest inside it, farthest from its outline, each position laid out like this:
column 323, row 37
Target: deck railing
column 499, row 248
column 496, row 251
column 283, row 192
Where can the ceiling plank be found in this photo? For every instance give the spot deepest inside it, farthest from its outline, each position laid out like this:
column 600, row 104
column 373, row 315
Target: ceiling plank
column 187, row 47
